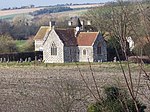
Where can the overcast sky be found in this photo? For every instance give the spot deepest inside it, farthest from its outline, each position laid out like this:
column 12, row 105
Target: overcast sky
column 18, row 3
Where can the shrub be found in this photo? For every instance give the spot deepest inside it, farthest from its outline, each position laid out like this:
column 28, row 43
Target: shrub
column 116, row 101
column 7, row 44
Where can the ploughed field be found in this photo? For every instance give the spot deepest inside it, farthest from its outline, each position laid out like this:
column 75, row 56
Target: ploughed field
column 57, row 88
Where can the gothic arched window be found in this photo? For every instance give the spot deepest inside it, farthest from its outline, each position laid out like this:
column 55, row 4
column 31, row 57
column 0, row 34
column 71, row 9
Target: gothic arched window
column 53, row 49
column 84, row 52
column 99, row 48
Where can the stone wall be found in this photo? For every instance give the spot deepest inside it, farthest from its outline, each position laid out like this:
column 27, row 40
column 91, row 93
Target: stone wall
column 71, row 54
column 103, row 56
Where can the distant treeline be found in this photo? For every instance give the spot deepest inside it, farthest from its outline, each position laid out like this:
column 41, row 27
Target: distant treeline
column 51, row 10
column 22, row 7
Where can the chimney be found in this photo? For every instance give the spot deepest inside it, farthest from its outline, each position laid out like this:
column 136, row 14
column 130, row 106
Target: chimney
column 88, row 22
column 77, row 31
column 52, row 24
column 82, row 22
column 69, row 23
column 79, row 25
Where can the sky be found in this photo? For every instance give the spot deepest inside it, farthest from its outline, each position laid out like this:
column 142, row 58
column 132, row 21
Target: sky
column 19, row 3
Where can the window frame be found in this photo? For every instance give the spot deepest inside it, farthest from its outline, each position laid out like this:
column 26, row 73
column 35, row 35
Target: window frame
column 99, row 48
column 84, row 52
column 53, row 49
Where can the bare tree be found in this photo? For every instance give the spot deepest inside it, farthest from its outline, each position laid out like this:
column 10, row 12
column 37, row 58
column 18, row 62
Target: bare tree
column 125, row 20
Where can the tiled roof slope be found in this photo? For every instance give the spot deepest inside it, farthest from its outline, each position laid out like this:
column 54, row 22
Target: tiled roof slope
column 86, row 38
column 42, row 32
column 67, row 36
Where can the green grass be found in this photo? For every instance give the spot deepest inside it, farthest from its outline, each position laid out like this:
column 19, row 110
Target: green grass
column 10, row 17
column 20, row 44
column 42, row 64
column 105, row 66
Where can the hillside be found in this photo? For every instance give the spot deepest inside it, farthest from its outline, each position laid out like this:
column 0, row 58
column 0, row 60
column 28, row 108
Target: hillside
column 85, row 6
column 78, row 8
column 17, row 11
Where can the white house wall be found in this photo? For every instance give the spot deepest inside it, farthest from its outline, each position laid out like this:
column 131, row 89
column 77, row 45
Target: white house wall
column 47, row 57
column 38, row 45
column 88, row 56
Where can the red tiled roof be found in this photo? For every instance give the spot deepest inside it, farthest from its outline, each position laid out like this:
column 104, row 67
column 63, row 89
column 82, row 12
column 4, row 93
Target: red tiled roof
column 86, row 38
column 67, row 36
column 41, row 33
column 83, row 39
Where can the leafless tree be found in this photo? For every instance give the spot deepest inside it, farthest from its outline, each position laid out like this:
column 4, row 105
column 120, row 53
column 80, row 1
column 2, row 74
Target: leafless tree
column 126, row 20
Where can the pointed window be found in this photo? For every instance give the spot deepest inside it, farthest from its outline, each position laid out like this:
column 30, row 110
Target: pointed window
column 99, row 48
column 53, row 49
column 84, row 52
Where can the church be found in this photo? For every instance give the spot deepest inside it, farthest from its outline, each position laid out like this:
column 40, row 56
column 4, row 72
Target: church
column 70, row 45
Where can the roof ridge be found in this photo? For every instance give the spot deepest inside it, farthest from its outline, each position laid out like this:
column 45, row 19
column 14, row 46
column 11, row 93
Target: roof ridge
column 89, row 32
column 60, row 29
column 44, row 26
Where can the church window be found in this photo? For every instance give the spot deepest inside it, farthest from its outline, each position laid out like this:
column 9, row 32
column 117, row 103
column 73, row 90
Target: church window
column 99, row 48
column 53, row 49
column 84, row 52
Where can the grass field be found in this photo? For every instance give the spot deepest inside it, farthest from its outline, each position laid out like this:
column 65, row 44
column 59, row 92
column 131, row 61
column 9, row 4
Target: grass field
column 109, row 65
column 20, row 43
column 10, row 17
column 9, row 14
column 59, row 14
column 17, row 11
column 69, row 13
column 85, row 6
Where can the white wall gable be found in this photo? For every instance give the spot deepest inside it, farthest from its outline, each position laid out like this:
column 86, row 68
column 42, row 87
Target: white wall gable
column 47, row 57
column 52, row 37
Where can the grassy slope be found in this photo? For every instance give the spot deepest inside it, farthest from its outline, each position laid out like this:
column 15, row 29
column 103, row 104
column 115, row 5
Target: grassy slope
column 9, row 14
column 20, row 44
column 17, row 11
column 10, row 17
column 69, row 13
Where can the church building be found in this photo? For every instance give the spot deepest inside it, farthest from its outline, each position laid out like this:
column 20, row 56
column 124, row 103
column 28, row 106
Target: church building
column 70, row 45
